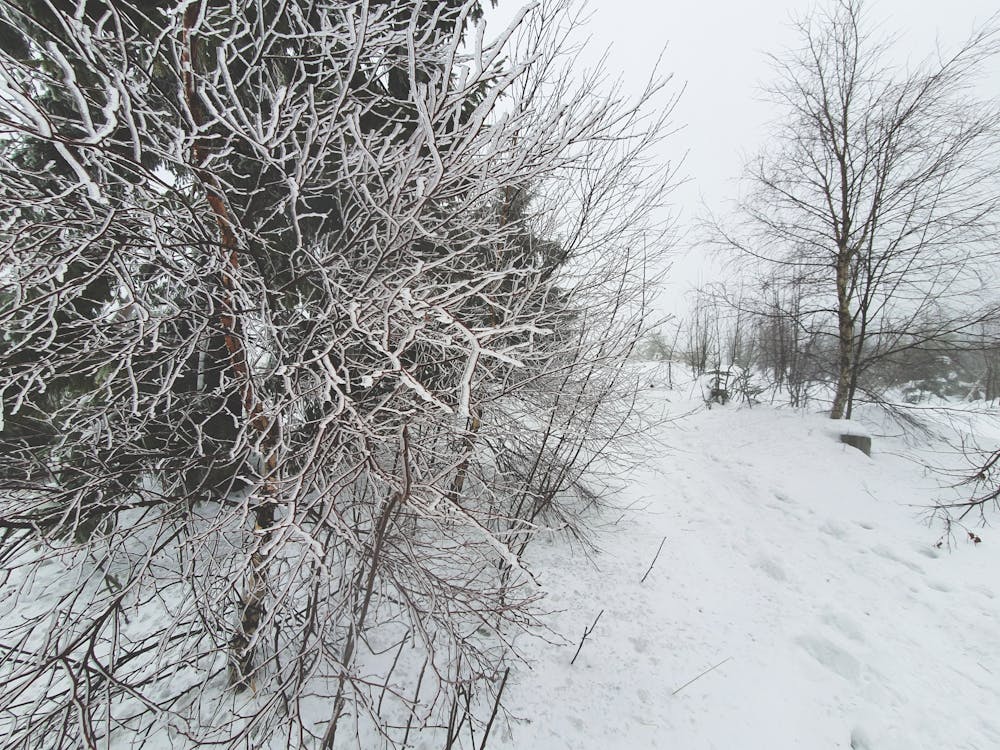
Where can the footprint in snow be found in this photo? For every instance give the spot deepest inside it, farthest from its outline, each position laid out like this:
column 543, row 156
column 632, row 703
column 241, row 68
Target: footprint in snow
column 834, row 529
column 982, row 591
column 641, row 645
column 831, row 656
column 888, row 554
column 782, row 497
column 845, row 625
column 788, row 507
column 859, row 739
column 771, row 569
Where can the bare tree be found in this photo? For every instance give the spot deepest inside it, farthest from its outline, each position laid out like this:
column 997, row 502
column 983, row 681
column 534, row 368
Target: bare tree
column 879, row 189
column 789, row 350
column 314, row 314
column 702, row 348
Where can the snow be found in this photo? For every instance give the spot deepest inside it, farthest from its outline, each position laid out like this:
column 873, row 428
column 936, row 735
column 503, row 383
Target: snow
column 796, row 597
column 802, row 570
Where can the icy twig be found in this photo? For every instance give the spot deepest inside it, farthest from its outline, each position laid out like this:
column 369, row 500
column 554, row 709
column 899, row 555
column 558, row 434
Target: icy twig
column 655, row 557
column 586, row 632
column 699, row 676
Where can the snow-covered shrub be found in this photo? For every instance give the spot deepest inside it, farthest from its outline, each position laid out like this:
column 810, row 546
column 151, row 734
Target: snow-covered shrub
column 313, row 313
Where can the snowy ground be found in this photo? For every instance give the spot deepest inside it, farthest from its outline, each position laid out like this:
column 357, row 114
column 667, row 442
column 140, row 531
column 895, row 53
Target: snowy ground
column 802, row 568
column 800, row 599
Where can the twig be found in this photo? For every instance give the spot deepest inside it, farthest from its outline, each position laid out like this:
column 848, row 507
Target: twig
column 586, row 632
column 451, row 737
column 392, row 669
column 660, row 549
column 416, row 698
column 496, row 706
column 698, row 677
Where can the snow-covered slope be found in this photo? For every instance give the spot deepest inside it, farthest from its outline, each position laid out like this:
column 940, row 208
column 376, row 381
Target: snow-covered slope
column 802, row 570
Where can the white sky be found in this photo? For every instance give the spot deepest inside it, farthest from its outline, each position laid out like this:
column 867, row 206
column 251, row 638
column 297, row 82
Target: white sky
column 717, row 49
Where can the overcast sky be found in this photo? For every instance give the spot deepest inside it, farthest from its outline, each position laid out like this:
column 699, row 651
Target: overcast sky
column 717, row 49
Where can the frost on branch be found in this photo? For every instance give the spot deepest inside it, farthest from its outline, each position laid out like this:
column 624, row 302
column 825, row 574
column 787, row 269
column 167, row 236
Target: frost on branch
column 313, row 314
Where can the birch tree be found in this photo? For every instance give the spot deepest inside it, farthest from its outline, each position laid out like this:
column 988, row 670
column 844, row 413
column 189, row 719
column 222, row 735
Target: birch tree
column 879, row 189
column 314, row 314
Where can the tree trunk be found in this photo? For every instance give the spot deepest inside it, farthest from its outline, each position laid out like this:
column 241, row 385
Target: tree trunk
column 845, row 339
column 262, row 426
column 856, row 362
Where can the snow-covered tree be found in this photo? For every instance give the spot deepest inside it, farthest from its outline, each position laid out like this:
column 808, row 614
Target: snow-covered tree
column 314, row 313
